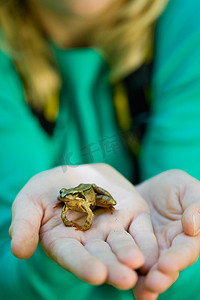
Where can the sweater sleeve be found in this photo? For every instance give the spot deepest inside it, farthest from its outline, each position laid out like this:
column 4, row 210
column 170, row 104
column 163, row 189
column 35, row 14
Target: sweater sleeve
column 21, row 145
column 20, row 159
column 173, row 136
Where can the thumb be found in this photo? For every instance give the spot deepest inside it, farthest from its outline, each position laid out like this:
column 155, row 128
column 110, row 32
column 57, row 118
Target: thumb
column 25, row 226
column 191, row 219
column 190, row 201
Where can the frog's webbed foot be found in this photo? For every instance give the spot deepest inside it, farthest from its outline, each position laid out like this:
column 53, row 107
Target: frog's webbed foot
column 64, row 218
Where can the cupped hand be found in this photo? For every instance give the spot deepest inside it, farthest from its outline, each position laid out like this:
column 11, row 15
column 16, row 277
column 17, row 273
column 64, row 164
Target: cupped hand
column 174, row 201
column 109, row 251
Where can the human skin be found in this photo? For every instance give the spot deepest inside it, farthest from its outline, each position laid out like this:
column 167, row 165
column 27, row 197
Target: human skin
column 77, row 8
column 109, row 247
column 117, row 243
column 174, row 201
column 69, row 23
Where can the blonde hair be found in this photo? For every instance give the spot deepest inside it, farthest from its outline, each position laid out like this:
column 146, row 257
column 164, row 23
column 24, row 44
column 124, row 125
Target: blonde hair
column 124, row 36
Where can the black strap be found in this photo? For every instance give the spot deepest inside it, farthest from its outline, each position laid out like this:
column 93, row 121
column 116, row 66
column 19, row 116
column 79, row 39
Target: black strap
column 45, row 124
column 137, row 86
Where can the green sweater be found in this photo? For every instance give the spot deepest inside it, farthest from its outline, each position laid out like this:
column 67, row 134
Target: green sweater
column 86, row 132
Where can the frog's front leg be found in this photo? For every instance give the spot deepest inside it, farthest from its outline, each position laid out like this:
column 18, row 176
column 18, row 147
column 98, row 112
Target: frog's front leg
column 89, row 219
column 64, row 218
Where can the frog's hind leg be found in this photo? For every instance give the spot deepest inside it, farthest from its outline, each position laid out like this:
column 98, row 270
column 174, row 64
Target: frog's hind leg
column 64, row 218
column 103, row 198
column 101, row 191
column 104, row 201
column 89, row 219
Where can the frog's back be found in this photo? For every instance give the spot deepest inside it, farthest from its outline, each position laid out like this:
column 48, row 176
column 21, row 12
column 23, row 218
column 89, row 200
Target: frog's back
column 84, row 187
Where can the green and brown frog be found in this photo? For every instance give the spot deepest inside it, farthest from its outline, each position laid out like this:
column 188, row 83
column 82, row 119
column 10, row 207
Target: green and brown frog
column 84, row 198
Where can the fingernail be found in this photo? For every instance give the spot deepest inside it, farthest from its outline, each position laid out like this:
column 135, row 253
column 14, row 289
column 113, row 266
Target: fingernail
column 196, row 220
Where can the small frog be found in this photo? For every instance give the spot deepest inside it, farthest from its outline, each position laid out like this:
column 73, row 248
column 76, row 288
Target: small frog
column 84, row 198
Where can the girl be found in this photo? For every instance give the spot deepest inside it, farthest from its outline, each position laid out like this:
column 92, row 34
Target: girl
column 62, row 64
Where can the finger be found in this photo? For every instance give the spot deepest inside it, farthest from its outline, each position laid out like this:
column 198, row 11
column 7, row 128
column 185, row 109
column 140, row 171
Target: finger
column 158, row 282
column 183, row 253
column 25, row 226
column 191, row 219
column 191, row 207
column 142, row 231
column 74, row 257
column 141, row 292
column 125, row 248
column 119, row 275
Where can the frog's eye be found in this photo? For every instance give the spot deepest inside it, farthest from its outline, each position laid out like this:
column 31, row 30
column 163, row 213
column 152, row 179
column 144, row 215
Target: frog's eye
column 62, row 195
column 63, row 192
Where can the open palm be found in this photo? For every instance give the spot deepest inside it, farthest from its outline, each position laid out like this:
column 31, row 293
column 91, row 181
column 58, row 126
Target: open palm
column 174, row 201
column 109, row 250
